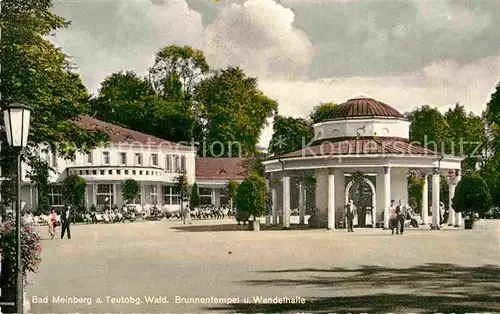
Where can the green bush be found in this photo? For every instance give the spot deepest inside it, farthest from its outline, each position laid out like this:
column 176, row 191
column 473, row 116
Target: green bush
column 194, row 200
column 73, row 190
column 472, row 195
column 130, row 190
column 252, row 196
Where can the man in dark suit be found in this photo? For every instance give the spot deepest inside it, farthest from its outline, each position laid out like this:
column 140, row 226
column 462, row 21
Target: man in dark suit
column 66, row 221
column 401, row 216
column 350, row 213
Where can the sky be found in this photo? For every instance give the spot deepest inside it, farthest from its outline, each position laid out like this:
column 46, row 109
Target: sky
column 304, row 52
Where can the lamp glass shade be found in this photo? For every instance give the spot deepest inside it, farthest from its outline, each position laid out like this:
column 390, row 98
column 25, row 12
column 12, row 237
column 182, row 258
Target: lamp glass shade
column 17, row 124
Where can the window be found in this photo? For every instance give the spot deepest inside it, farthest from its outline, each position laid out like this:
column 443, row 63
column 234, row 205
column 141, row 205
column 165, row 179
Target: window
column 118, row 171
column 89, row 158
column 138, row 159
column 101, row 172
column 154, row 159
column 205, row 196
column 177, row 163
column 54, row 159
column 153, row 194
column 168, row 163
column 223, row 197
column 183, row 163
column 55, row 195
column 123, row 158
column 105, row 191
column 105, row 158
column 171, row 195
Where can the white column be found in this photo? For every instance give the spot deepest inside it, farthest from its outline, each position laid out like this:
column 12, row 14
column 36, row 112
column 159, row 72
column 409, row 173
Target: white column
column 301, row 204
column 286, row 202
column 30, row 187
column 435, row 200
column 274, row 197
column 268, row 215
column 159, row 195
column 458, row 216
column 425, row 201
column 387, row 195
column 213, row 196
column 451, row 194
column 112, row 202
column 331, row 201
column 217, row 197
column 94, row 195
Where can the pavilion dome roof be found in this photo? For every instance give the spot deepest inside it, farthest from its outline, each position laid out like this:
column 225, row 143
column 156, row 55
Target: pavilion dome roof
column 363, row 106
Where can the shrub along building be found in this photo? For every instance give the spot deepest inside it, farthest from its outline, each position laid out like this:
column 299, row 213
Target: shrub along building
column 153, row 162
column 362, row 153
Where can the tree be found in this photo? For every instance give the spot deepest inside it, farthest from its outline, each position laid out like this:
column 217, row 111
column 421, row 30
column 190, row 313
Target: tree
column 234, row 111
column 194, row 200
column 492, row 115
column 73, row 190
column 38, row 74
column 430, row 129
column 174, row 76
column 490, row 172
column 289, row 135
column 232, row 192
column 322, row 112
column 468, row 135
column 472, row 195
column 130, row 190
column 181, row 183
column 252, row 196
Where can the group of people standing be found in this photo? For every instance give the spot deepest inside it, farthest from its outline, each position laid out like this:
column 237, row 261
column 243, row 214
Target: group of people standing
column 65, row 222
column 399, row 214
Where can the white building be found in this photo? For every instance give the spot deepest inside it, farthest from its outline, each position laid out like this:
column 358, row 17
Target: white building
column 153, row 162
column 369, row 137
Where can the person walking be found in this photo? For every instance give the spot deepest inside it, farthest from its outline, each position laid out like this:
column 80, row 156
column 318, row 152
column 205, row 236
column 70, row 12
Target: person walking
column 66, row 221
column 401, row 216
column 52, row 224
column 187, row 215
column 350, row 212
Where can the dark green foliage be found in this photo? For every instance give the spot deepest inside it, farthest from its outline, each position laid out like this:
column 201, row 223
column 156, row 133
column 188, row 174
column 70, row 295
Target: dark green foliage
column 492, row 115
column 323, row 112
column 235, row 111
column 194, row 200
column 73, row 190
column 472, row 195
column 252, row 196
column 130, row 190
column 429, row 128
column 491, row 174
column 289, row 135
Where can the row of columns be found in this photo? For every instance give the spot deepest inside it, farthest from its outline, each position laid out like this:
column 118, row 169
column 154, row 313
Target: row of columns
column 454, row 218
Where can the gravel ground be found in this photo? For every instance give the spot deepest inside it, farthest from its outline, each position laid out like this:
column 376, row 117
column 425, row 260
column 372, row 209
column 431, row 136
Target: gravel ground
column 155, row 267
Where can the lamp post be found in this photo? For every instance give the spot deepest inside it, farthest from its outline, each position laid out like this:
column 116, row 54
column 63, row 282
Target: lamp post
column 17, row 124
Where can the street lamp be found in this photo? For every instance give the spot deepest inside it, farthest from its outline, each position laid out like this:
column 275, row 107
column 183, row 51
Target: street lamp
column 17, row 124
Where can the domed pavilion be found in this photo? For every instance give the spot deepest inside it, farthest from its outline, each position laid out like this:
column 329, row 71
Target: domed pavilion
column 362, row 153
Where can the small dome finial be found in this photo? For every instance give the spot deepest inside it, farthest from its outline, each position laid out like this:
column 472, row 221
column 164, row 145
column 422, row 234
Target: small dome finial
column 360, row 97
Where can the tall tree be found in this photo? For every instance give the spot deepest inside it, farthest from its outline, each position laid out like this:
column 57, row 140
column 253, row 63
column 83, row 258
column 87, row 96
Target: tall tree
column 490, row 172
column 467, row 135
column 290, row 134
column 235, row 111
column 323, row 111
column 492, row 115
column 130, row 101
column 430, row 129
column 174, row 76
column 35, row 72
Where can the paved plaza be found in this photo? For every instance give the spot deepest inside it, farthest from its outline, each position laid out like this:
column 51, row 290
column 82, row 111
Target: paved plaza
column 128, row 267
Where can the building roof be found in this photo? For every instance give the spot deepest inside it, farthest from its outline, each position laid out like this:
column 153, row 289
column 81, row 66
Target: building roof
column 362, row 146
column 209, row 168
column 364, row 107
column 118, row 134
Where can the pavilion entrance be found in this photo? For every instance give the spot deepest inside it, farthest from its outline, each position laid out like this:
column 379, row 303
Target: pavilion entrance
column 362, row 193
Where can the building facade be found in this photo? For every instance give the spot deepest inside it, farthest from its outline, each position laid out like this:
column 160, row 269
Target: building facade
column 153, row 162
column 370, row 140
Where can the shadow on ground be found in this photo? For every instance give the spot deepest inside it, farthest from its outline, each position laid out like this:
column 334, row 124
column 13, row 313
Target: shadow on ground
column 234, row 227
column 429, row 288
